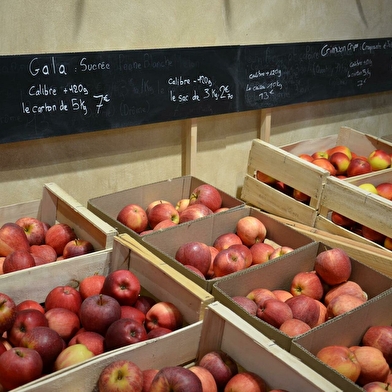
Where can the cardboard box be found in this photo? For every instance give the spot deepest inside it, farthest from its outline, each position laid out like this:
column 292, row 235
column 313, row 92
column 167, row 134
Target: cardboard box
column 166, row 243
column 283, row 163
column 56, row 206
column 183, row 348
column 107, row 207
column 278, row 275
column 346, row 331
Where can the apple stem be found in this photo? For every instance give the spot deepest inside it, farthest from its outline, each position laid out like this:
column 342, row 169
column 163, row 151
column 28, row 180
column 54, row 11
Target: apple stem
column 2, row 303
column 100, row 300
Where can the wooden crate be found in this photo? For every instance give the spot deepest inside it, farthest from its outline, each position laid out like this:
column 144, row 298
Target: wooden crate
column 56, row 206
column 221, row 329
column 283, row 163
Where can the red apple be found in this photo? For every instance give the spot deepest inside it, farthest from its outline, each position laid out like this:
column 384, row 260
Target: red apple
column 284, row 188
column 65, row 322
column 132, row 313
column 30, row 304
column 385, row 190
column 251, row 230
column 3, row 348
column 246, row 303
column 245, row 251
column 307, row 283
column 320, row 154
column 246, row 382
column 92, row 340
column 340, row 161
column 323, row 314
column 372, row 235
column 120, row 375
column 208, row 195
column 306, row 157
column 134, row 217
column 12, row 237
column 161, row 212
column 280, row 251
column 226, row 240
column 157, row 332
column 182, row 204
column 265, row 178
column 300, row 196
column 377, row 386
column 221, row 365
column 124, row 332
column 379, row 160
column 91, row 285
column 45, row 252
column 144, row 303
column 154, row 203
column 77, row 247
column 343, row 303
column 18, row 366
column 207, row 380
column 164, row 224
column 195, row 253
column 195, row 270
column 58, row 236
column 260, row 294
column 7, row 312
column 305, row 308
column 282, row 295
column 214, row 252
column 148, row 376
column 72, row 355
column 176, row 379
column 325, row 164
column 228, row 261
column 98, row 312
column 388, row 243
column 350, row 287
column 357, row 167
column 18, row 260
column 63, row 297
column 342, row 359
column 341, row 220
column 274, row 312
column 123, row 285
column 340, row 148
column 33, row 228
column 380, row 336
column 2, row 258
column 194, row 211
column 261, row 252
column 164, row 314
column 294, row 327
column 333, row 266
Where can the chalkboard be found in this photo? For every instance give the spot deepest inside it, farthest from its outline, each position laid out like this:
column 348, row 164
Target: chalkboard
column 54, row 94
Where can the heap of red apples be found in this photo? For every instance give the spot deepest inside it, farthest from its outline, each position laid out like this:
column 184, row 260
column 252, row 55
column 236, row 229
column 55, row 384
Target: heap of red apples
column 73, row 325
column 339, row 161
column 232, row 251
column 29, row 242
column 215, row 371
column 312, row 298
column 204, row 200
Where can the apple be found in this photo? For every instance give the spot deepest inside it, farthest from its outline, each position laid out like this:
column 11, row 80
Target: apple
column 226, row 240
column 2, row 258
column 251, row 230
column 300, row 196
column 320, row 154
column 30, row 304
column 195, row 270
column 19, row 366
column 340, row 162
column 379, row 160
column 91, row 285
column 274, row 312
column 294, row 327
column 323, row 314
column 221, row 365
column 341, row 220
column 63, row 297
column 123, row 285
column 306, row 157
column 373, row 365
column 305, row 308
column 368, row 187
column 385, row 190
column 161, row 212
column 214, row 252
column 92, row 340
column 134, row 217
column 194, row 211
column 120, row 375
column 45, row 252
column 245, row 251
column 342, row 359
column 132, row 313
column 77, row 247
column 246, row 382
column 264, row 178
column 58, row 236
column 325, row 164
column 12, row 237
column 284, row 188
column 164, row 314
column 228, row 261
column 154, row 203
column 144, row 303
column 246, row 303
column 349, row 287
column 222, row 209
column 148, row 376
column 195, row 253
column 124, row 332
column 72, row 355
column 307, row 283
column 182, row 204
column 208, row 195
column 280, row 251
column 98, row 312
column 343, row 303
column 3, row 348
column 157, row 332
column 207, row 380
column 18, row 260
column 8, row 312
column 282, row 294
column 47, row 342
column 357, row 167
column 380, row 336
column 333, row 266
column 65, row 322
column 340, row 148
column 164, row 224
column 377, row 386
column 24, row 321
column 260, row 294
column 33, row 228
column 372, row 235
column 388, row 243
column 261, row 252
column 176, row 379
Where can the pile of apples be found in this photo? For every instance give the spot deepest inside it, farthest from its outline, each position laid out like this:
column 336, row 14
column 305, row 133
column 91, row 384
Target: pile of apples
column 231, row 251
column 73, row 325
column 29, row 242
column 367, row 364
column 215, row 371
column 204, row 200
column 339, row 161
column 313, row 297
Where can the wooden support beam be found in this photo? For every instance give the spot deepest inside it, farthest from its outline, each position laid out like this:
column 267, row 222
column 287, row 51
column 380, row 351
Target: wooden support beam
column 265, row 125
column 189, row 147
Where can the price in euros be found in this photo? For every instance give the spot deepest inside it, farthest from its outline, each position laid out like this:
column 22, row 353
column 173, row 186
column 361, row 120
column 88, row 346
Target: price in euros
column 102, row 99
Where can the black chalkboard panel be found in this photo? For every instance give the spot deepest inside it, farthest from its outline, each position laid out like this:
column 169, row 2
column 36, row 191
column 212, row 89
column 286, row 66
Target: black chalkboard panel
column 64, row 93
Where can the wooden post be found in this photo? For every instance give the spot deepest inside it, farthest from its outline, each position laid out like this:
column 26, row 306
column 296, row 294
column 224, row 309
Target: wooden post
column 190, row 147
column 265, row 125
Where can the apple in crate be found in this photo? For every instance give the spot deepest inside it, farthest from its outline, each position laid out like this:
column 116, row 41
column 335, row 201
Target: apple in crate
column 72, row 355
column 246, row 381
column 92, row 340
column 358, row 166
column 340, row 161
column 307, row 283
column 182, row 204
column 274, row 312
column 228, row 261
column 251, row 230
column 77, row 247
column 18, row 366
column 132, row 313
column 12, row 237
column 91, row 285
column 58, row 235
column 280, row 251
column 45, row 252
column 120, row 375
column 33, row 228
column 208, row 195
column 194, row 211
column 380, row 336
column 176, row 379
column 378, row 386
column 260, row 294
column 164, row 314
column 124, row 332
column 65, row 322
column 305, row 308
column 153, row 204
column 30, row 304
column 63, row 297
column 385, row 190
column 148, row 376
column 207, row 380
column 195, row 253
column 379, row 160
column 144, row 303
column 343, row 303
column 225, row 240
column 294, row 327
column 162, row 212
column 245, row 251
column 18, row 260
column 134, row 217
column 349, row 287
column 261, row 252
column 7, row 312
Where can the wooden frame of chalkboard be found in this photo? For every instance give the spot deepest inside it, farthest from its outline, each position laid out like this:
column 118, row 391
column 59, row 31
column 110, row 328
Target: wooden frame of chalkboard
column 44, row 95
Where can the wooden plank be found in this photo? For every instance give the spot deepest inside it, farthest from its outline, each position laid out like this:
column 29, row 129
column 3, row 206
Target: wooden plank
column 190, row 147
column 265, row 124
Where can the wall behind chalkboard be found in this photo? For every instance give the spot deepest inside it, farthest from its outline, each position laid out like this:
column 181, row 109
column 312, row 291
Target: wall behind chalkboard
column 66, row 93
